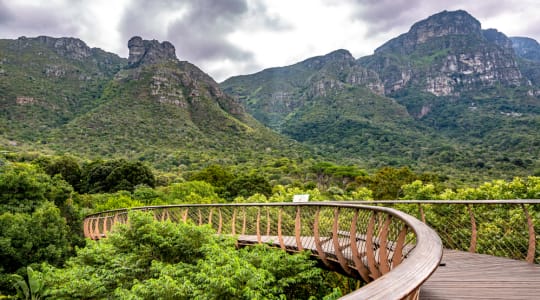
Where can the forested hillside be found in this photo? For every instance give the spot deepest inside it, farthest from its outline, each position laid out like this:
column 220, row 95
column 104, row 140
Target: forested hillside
column 447, row 96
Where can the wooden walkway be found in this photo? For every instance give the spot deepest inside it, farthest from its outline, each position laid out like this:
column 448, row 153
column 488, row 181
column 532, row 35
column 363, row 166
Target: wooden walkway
column 464, row 275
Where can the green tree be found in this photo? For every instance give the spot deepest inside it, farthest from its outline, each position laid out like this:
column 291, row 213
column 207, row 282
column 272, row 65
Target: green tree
column 23, row 187
column 68, row 168
column 25, row 239
column 190, row 192
column 216, row 175
column 247, row 185
column 115, row 175
column 164, row 260
column 386, row 183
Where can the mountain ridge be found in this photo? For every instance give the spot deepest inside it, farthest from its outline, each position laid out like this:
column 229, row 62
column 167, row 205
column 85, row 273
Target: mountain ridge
column 461, row 86
column 447, row 96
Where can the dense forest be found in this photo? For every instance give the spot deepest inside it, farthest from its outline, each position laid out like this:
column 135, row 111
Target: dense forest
column 43, row 200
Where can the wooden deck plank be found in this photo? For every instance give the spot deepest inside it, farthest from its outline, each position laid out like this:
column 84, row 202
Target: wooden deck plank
column 464, row 275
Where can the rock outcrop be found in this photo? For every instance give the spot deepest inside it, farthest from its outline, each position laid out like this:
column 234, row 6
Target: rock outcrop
column 445, row 55
column 149, row 52
column 65, row 46
column 526, row 48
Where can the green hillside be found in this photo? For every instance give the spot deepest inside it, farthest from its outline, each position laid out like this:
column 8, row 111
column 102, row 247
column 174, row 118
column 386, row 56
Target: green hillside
column 46, row 82
column 446, row 96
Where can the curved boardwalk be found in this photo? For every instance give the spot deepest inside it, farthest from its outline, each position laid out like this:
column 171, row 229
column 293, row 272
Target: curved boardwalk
column 372, row 241
column 464, row 275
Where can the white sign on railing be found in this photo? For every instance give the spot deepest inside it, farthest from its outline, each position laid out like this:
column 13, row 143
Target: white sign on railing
column 300, row 198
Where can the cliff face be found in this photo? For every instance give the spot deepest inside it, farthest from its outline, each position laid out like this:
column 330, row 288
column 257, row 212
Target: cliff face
column 274, row 95
column 150, row 52
column 174, row 82
column 526, row 48
column 445, row 55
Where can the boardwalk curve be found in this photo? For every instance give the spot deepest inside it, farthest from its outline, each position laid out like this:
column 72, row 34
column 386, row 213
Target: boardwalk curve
column 392, row 251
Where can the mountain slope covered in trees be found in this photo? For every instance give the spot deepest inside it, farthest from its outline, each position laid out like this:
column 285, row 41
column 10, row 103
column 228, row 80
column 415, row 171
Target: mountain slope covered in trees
column 447, row 95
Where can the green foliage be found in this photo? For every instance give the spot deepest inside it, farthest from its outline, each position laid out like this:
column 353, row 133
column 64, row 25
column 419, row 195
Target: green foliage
column 23, row 187
column 247, row 185
column 115, row 175
column 31, row 290
column 216, row 175
column 387, row 182
column 501, row 229
column 163, row 260
column 190, row 192
column 117, row 201
column 26, row 239
column 518, row 188
column 68, row 168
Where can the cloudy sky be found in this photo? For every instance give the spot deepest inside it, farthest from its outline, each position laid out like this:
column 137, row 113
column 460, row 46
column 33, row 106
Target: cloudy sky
column 232, row 37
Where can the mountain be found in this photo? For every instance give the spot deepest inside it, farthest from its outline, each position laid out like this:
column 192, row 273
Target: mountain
column 445, row 94
column 151, row 106
column 447, row 54
column 46, row 82
column 332, row 104
column 528, row 51
column 526, row 48
column 273, row 94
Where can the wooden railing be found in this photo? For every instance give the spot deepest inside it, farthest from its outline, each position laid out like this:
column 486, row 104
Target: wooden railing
column 505, row 228
column 392, row 251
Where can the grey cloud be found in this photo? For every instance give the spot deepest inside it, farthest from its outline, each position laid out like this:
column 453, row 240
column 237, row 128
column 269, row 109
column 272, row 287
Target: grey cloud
column 390, row 15
column 5, row 13
column 33, row 20
column 200, row 33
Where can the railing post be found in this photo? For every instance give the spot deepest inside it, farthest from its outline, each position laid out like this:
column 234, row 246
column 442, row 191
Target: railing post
column 531, row 250
column 298, row 229
column 422, row 215
column 370, row 249
column 474, row 233
column 317, row 238
column 184, row 217
column 280, row 235
column 398, row 252
column 220, row 225
column 258, row 225
column 233, row 222
column 244, row 221
column 360, row 267
column 384, row 266
column 335, row 239
column 268, row 223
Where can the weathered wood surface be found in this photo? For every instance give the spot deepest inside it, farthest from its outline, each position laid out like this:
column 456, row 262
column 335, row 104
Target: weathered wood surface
column 464, row 275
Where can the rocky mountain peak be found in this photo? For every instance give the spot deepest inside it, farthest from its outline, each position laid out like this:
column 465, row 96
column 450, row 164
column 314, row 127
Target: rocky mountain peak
column 340, row 56
column 442, row 24
column 149, row 52
column 526, row 47
column 446, row 54
column 65, row 46
column 498, row 38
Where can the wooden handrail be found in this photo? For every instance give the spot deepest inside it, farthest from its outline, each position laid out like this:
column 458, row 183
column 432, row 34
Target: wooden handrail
column 391, row 250
column 527, row 242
